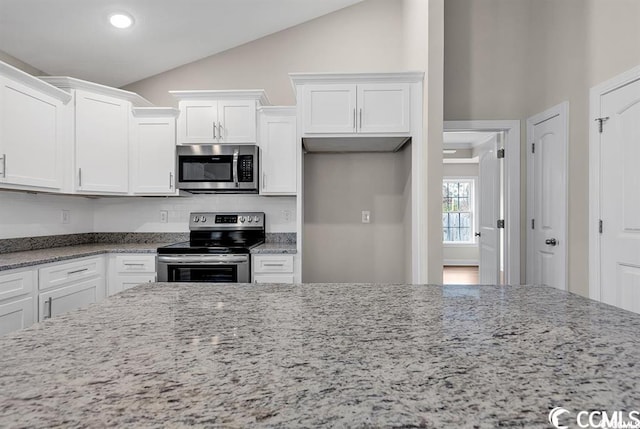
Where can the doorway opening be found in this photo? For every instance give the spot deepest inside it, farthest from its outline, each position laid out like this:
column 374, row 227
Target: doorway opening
column 483, row 158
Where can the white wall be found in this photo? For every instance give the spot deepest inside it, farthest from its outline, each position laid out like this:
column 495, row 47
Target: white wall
column 28, row 215
column 143, row 214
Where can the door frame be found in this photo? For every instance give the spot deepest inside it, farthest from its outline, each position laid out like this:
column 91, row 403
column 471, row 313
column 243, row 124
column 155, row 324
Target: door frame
column 561, row 110
column 595, row 96
column 511, row 129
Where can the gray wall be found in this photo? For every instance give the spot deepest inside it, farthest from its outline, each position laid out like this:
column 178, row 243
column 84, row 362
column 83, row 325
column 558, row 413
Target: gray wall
column 511, row 59
column 338, row 247
column 365, row 37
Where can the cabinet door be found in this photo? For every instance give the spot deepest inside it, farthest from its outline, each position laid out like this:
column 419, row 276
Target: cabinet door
column 15, row 315
column 78, row 295
column 273, row 278
column 102, row 143
column 384, row 108
column 153, row 156
column 30, row 137
column 329, row 109
column 197, row 122
column 278, row 158
column 237, row 121
column 124, row 282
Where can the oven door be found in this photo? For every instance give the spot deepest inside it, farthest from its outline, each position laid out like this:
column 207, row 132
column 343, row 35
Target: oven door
column 204, row 268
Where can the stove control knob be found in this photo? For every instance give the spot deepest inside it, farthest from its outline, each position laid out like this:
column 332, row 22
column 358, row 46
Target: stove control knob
column 256, row 219
column 242, row 219
column 203, row 219
column 196, row 219
column 249, row 219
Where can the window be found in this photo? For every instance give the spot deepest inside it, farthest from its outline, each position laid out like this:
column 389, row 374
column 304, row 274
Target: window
column 457, row 210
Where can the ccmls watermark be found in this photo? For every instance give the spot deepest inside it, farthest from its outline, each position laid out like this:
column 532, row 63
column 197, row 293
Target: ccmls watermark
column 561, row 418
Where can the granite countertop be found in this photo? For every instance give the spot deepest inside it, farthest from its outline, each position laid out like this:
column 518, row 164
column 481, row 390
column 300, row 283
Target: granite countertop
column 321, row 355
column 28, row 258
column 275, row 248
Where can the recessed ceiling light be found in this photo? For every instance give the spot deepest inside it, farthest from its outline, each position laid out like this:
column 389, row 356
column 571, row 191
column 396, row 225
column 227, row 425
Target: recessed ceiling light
column 121, row 20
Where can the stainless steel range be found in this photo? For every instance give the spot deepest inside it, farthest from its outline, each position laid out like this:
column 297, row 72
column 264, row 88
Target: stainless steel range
column 218, row 250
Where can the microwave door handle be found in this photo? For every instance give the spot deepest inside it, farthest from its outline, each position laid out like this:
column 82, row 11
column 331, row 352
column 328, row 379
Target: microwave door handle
column 235, row 166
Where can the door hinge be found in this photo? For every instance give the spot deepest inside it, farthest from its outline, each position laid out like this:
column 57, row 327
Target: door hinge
column 533, row 224
column 500, row 153
column 600, row 226
column 601, row 122
column 533, row 148
column 500, row 223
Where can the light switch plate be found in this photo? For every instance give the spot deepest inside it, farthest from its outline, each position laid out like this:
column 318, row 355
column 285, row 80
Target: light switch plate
column 366, row 216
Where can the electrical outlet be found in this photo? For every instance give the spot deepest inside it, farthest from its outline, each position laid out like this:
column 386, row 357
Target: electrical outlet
column 66, row 216
column 286, row 215
column 366, row 216
column 164, row 216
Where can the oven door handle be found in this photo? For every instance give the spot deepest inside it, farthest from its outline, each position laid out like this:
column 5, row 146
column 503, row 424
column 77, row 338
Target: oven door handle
column 204, row 259
column 235, row 166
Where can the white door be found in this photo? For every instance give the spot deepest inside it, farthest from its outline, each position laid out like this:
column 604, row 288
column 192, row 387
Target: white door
column 384, row 108
column 30, row 137
column 547, row 138
column 237, row 121
column 153, row 155
column 278, row 149
column 198, row 122
column 620, row 197
column 489, row 212
column 329, row 108
column 102, row 143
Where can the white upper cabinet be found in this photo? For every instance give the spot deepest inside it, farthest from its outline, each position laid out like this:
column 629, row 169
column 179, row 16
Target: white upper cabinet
column 218, row 116
column 101, row 127
column 330, row 108
column 278, row 151
column 375, row 104
column 102, row 143
column 153, row 151
column 31, row 131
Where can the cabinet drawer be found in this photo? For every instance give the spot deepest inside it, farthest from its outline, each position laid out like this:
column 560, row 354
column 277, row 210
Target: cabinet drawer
column 135, row 264
column 16, row 283
column 70, row 272
column 273, row 264
column 16, row 315
column 273, row 278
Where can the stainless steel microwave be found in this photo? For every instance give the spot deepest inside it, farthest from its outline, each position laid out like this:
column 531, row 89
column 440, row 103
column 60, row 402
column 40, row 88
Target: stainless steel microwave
column 217, row 168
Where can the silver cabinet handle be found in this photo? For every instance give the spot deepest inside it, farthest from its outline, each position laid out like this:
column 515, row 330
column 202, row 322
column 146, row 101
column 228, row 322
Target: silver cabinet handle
column 214, row 130
column 220, row 132
column 4, row 165
column 170, row 180
column 273, row 264
column 354, row 118
column 264, row 180
column 80, row 177
column 360, row 126
column 77, row 271
column 133, row 265
column 48, row 305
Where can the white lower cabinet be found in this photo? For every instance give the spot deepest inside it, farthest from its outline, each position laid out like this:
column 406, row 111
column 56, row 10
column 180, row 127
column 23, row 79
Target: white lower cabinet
column 129, row 270
column 17, row 306
column 273, row 269
column 70, row 285
column 77, row 295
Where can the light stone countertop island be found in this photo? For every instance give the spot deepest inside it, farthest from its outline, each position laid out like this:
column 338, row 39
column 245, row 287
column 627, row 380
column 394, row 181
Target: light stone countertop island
column 322, row 355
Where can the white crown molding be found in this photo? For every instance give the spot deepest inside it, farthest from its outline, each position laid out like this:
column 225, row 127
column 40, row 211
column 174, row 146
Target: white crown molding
column 306, row 78
column 143, row 112
column 33, row 82
column 67, row 83
column 218, row 94
column 278, row 110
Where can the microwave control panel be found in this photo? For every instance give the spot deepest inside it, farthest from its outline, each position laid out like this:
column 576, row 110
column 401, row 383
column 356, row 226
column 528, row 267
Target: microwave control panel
column 245, row 168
